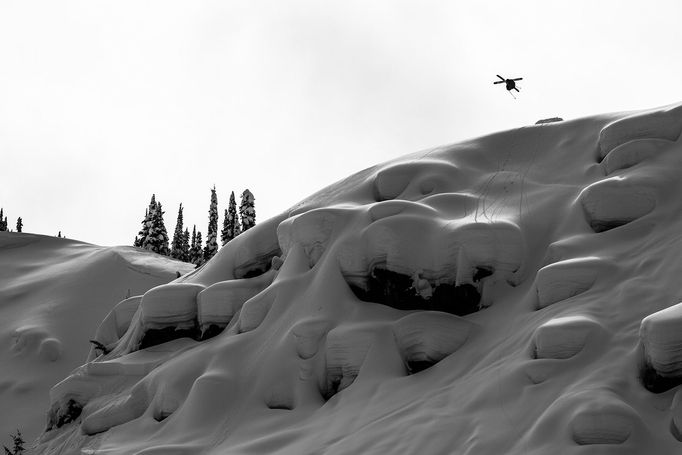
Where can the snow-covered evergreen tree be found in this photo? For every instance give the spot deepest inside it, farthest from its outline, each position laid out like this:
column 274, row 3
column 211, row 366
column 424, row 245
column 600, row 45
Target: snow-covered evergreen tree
column 157, row 239
column 178, row 238
column 185, row 246
column 144, row 231
column 196, row 254
column 231, row 228
column 211, row 247
column 20, row 224
column 153, row 235
column 247, row 210
column 3, row 221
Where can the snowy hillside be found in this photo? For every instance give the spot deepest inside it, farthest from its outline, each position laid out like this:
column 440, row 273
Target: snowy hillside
column 516, row 293
column 53, row 293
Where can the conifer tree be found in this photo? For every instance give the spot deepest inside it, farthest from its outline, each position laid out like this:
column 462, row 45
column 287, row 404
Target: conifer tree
column 18, row 448
column 247, row 210
column 231, row 228
column 3, row 221
column 178, row 238
column 185, row 247
column 157, row 240
column 193, row 245
column 20, row 224
column 211, row 247
column 196, row 255
column 153, row 235
column 144, row 232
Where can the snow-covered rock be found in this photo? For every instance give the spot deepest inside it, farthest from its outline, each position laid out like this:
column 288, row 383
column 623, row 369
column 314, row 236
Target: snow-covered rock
column 663, row 123
column 218, row 303
column 661, row 337
column 425, row 338
column 564, row 337
column 568, row 278
column 632, row 153
column 616, row 201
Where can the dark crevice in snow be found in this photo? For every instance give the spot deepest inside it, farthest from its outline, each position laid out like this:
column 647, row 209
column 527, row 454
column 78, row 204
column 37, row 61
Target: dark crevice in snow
column 211, row 331
column 283, row 406
column 656, row 383
column 257, row 266
column 397, row 291
column 603, row 226
column 153, row 337
column 61, row 415
column 482, row 272
column 416, row 366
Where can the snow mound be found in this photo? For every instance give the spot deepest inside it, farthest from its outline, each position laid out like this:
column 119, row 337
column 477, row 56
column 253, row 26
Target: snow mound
column 564, row 337
column 53, row 294
column 661, row 337
column 565, row 279
column 413, row 307
column 634, row 152
column 616, row 201
column 663, row 124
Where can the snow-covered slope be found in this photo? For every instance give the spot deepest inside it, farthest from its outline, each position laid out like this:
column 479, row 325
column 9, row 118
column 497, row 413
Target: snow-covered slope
column 512, row 294
column 53, row 293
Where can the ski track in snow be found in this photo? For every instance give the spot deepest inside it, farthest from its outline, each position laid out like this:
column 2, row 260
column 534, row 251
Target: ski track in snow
column 515, row 293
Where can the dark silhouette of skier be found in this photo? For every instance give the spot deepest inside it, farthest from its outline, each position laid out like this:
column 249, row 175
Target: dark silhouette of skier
column 509, row 83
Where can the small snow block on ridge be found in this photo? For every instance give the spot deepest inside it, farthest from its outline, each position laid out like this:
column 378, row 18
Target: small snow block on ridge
column 660, row 335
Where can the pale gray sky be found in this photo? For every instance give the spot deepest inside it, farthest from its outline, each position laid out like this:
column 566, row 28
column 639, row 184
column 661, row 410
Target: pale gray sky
column 104, row 103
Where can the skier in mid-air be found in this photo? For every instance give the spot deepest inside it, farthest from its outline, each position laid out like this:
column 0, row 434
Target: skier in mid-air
column 509, row 83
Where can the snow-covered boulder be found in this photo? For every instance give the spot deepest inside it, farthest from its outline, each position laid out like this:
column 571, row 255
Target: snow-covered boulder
column 568, row 278
column 425, row 338
column 564, row 337
column 346, row 349
column 616, row 201
column 661, row 338
column 632, row 153
column 663, row 123
column 218, row 303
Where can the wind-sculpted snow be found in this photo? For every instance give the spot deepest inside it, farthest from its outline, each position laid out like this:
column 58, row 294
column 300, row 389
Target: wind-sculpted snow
column 482, row 297
column 661, row 336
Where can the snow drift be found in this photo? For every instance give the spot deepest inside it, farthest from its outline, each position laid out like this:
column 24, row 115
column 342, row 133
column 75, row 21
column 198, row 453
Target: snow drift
column 53, row 293
column 513, row 294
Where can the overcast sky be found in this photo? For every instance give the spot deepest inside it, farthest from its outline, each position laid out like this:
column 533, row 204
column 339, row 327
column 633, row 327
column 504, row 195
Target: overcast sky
column 104, row 103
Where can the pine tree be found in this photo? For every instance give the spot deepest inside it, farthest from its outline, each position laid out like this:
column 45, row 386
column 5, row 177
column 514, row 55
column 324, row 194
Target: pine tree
column 196, row 255
column 247, row 210
column 231, row 227
column 178, row 238
column 20, row 224
column 157, row 240
column 153, row 235
column 185, row 247
column 18, row 445
column 211, row 247
column 3, row 221
column 144, row 232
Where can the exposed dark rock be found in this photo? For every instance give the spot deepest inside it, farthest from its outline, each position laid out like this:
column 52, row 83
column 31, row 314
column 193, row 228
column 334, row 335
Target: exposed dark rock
column 63, row 413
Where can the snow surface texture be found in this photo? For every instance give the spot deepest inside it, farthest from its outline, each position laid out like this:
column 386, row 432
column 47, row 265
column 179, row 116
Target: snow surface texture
column 52, row 293
column 511, row 294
